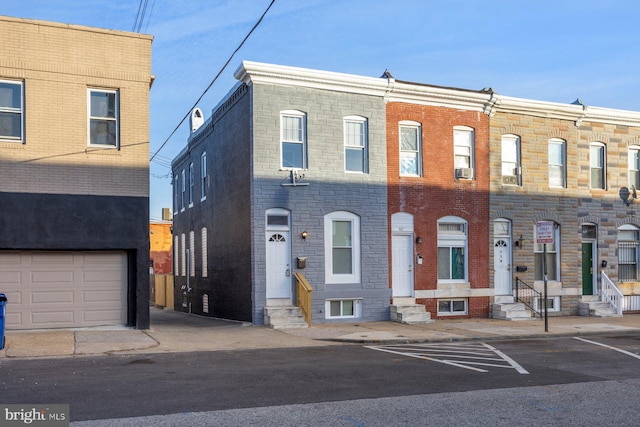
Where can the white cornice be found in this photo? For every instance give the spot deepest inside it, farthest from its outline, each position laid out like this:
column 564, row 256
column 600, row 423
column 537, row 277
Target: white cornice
column 438, row 96
column 255, row 72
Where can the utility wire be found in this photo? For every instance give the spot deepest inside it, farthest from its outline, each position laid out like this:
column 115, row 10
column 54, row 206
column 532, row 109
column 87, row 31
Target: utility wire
column 214, row 79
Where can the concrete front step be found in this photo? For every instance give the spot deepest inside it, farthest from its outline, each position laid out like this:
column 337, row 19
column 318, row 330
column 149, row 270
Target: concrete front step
column 512, row 311
column 284, row 317
column 410, row 314
column 597, row 308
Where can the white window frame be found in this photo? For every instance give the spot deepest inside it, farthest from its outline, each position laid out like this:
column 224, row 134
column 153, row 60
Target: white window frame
column 634, row 166
column 183, row 190
column 593, row 166
column 463, row 140
column 192, row 254
column 191, row 184
column 511, row 167
column 10, row 111
column 330, row 276
column 176, row 255
column 183, row 254
column 553, row 253
column 632, row 253
column 104, row 118
column 356, row 144
column 204, row 251
column 451, row 311
column 203, row 176
column 554, row 306
column 415, row 155
column 451, row 240
column 176, row 194
column 356, row 304
column 301, row 140
column 554, row 165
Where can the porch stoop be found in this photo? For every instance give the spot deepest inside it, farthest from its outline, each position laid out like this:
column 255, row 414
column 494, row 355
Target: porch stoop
column 505, row 308
column 409, row 314
column 284, row 317
column 592, row 305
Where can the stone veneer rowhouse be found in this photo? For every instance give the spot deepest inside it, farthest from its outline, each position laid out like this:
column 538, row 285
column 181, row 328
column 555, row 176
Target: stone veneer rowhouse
column 570, row 164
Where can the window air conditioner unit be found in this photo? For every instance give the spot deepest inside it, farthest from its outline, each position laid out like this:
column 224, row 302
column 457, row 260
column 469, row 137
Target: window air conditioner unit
column 465, row 173
column 510, row 179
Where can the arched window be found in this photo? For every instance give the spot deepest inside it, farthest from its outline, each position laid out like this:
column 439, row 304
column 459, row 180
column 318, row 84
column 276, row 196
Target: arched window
column 628, row 239
column 452, row 249
column 557, row 163
column 598, row 161
column 342, row 247
column 511, row 167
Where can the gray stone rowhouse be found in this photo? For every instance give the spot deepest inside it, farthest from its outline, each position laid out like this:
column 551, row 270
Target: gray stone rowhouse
column 245, row 183
column 588, row 218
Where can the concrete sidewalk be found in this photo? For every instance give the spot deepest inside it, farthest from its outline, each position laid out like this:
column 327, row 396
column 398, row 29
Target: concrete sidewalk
column 179, row 332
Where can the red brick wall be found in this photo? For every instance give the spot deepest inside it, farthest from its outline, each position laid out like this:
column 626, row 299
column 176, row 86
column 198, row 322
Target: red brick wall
column 437, row 193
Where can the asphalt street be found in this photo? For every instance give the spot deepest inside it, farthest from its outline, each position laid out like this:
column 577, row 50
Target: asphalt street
column 167, row 387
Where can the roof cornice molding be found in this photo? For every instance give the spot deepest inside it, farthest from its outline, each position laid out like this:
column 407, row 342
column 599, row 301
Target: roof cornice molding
column 577, row 113
column 255, row 72
column 439, row 96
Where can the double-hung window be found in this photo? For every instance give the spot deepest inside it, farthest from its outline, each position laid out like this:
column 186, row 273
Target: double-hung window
column 293, row 137
column 597, row 160
column 634, row 166
column 452, row 245
column 203, row 176
column 628, row 240
column 355, row 144
column 511, row 160
column 557, row 163
column 103, row 118
column 410, row 149
column 11, row 111
column 463, row 151
column 553, row 256
column 342, row 247
column 190, row 184
column 183, row 190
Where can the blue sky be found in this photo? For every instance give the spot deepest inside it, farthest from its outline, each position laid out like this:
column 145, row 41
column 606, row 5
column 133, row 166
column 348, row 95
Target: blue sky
column 548, row 50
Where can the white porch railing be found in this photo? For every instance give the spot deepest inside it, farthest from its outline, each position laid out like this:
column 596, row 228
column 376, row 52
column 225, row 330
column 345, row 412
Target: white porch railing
column 611, row 294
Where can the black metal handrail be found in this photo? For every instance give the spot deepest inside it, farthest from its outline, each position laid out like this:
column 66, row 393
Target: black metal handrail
column 527, row 295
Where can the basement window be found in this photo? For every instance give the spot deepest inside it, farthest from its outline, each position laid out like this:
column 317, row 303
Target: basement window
column 343, row 309
column 452, row 307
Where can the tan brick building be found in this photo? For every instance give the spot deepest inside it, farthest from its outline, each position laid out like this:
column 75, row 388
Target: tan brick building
column 74, row 174
column 573, row 165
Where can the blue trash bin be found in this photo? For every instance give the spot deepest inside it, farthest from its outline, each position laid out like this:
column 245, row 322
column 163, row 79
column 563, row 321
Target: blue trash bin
column 3, row 302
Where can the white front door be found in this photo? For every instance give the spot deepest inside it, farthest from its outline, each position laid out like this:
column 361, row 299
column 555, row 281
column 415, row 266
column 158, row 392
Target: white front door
column 402, row 265
column 502, row 265
column 278, row 265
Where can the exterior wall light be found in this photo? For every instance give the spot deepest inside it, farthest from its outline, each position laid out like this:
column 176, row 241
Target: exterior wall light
column 304, row 234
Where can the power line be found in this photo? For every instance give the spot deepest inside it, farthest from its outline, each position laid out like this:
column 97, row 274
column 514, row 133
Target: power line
column 214, row 79
column 142, row 11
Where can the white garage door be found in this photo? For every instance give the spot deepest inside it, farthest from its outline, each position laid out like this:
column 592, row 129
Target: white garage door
column 63, row 289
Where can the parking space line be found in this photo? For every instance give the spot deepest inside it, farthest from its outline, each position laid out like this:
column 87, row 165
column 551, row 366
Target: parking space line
column 628, row 353
column 472, row 356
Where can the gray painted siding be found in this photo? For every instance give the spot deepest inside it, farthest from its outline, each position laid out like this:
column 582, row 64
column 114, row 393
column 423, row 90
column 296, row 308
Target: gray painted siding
column 330, row 189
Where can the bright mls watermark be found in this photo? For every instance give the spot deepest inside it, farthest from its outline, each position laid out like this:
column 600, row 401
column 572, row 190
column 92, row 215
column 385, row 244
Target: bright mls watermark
column 34, row 415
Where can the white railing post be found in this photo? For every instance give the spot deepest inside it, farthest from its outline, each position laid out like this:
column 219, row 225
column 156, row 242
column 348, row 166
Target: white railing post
column 611, row 294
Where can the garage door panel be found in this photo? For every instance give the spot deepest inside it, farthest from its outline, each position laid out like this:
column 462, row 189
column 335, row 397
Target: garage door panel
column 52, row 297
column 52, row 319
column 64, row 289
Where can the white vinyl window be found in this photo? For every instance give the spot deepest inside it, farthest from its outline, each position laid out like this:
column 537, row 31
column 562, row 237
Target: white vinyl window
column 293, row 137
column 190, row 184
column 553, row 256
column 463, row 151
column 410, row 149
column 343, row 309
column 183, row 255
column 103, row 118
column 192, row 254
column 176, row 255
column 183, row 190
column 634, row 167
column 511, row 160
column 355, row 144
column 452, row 307
column 557, row 163
column 628, row 241
column 176, row 194
column 342, row 247
column 597, row 160
column 203, row 176
column 11, row 111
column 205, row 267
column 452, row 245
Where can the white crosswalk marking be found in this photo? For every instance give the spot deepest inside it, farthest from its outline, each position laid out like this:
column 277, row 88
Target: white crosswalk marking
column 470, row 355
